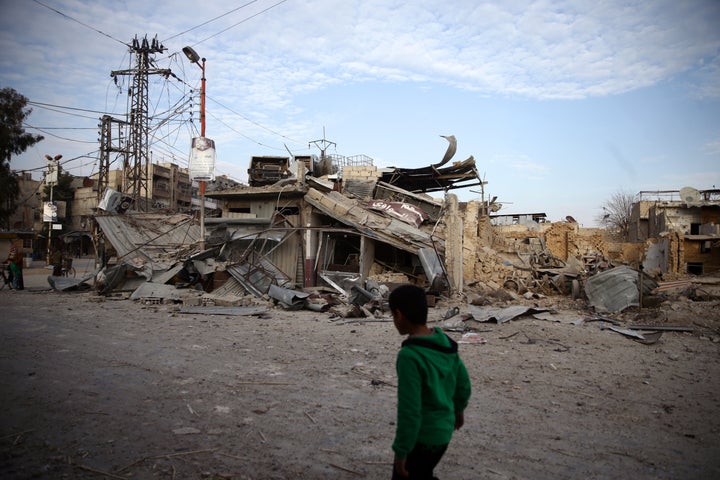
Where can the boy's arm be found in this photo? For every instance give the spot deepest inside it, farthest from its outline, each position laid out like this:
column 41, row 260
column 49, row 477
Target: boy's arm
column 399, row 466
column 459, row 420
column 409, row 406
column 462, row 393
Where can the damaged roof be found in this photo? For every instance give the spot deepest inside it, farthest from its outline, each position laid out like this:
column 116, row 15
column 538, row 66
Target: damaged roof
column 151, row 240
column 392, row 231
column 433, row 178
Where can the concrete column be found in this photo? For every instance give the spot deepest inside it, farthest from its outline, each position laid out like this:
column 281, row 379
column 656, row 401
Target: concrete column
column 311, row 242
column 453, row 243
column 471, row 241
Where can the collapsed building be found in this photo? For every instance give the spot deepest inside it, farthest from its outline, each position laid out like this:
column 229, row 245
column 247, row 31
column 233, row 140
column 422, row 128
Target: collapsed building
column 313, row 225
column 294, row 230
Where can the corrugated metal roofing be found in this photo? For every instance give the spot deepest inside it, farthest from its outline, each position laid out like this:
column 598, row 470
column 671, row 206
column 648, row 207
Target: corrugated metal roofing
column 143, row 239
column 616, row 289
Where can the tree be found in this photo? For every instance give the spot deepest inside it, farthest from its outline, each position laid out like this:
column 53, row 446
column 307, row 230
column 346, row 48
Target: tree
column 13, row 141
column 616, row 212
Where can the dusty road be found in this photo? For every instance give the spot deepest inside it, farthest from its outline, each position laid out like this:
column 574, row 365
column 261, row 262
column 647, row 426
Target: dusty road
column 97, row 388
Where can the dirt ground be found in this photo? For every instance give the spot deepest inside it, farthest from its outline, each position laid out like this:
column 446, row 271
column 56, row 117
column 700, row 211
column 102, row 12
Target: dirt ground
column 94, row 387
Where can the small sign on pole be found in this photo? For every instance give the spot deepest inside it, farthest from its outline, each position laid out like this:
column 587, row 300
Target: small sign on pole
column 202, row 159
column 50, row 212
column 53, row 168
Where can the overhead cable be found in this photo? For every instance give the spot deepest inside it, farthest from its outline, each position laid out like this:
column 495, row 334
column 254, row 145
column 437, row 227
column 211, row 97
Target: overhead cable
column 81, row 23
column 209, row 21
column 238, row 23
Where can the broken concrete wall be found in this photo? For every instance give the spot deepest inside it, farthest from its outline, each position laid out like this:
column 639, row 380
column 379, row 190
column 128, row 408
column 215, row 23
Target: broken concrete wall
column 359, row 180
column 700, row 257
column 471, row 241
column 639, row 230
column 674, row 216
column 655, row 260
column 454, row 243
column 562, row 239
column 632, row 253
column 675, row 254
column 565, row 240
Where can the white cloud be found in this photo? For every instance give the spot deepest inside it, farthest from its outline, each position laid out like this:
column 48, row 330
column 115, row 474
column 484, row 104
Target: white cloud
column 260, row 66
column 712, row 148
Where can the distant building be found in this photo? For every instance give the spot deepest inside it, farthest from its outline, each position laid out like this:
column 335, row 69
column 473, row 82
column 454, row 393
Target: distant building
column 683, row 225
column 518, row 219
column 29, row 203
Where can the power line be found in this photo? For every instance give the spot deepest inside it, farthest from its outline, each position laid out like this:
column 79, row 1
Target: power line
column 47, row 105
column 241, row 21
column 81, row 23
column 254, row 123
column 56, row 136
column 61, row 128
column 243, row 135
column 209, row 21
column 65, row 161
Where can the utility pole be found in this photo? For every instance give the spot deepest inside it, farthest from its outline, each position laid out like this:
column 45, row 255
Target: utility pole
column 51, row 178
column 109, row 143
column 193, row 56
column 136, row 166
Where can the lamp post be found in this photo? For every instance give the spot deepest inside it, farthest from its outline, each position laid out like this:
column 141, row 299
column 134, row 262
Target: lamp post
column 51, row 179
column 195, row 58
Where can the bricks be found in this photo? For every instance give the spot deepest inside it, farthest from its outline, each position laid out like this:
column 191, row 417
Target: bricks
column 360, row 172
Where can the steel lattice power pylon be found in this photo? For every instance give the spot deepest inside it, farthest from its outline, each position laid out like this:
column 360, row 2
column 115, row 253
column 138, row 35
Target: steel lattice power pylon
column 137, row 160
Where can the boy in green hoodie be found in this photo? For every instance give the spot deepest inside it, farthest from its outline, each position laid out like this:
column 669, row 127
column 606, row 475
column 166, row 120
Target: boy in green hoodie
column 433, row 387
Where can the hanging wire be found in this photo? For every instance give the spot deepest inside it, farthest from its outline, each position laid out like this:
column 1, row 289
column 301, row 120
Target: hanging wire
column 81, row 23
column 209, row 21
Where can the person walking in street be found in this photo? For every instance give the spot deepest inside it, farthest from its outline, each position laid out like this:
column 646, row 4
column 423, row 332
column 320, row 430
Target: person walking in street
column 15, row 260
column 433, row 388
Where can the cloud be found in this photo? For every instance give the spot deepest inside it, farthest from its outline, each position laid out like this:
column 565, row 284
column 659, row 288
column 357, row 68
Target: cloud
column 522, row 165
column 266, row 65
column 531, row 49
column 540, row 50
column 712, row 148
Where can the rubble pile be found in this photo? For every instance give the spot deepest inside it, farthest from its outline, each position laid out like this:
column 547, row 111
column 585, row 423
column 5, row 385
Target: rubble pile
column 330, row 236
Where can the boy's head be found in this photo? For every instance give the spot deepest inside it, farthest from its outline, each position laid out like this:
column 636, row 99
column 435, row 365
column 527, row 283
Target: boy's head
column 409, row 300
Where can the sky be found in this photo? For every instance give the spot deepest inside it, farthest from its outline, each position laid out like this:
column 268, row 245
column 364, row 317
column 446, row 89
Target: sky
column 561, row 103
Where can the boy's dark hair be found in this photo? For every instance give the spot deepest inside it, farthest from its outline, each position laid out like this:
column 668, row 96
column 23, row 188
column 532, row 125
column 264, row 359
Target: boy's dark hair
column 411, row 301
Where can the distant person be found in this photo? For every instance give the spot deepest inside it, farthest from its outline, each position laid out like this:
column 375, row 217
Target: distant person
column 57, row 262
column 15, row 261
column 433, row 388
column 15, row 276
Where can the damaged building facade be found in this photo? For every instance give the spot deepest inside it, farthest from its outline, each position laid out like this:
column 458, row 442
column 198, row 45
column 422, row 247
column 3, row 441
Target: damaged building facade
column 681, row 230
column 338, row 230
column 318, row 224
column 331, row 232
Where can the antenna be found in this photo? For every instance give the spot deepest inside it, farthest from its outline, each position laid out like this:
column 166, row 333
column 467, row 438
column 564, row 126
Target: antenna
column 322, row 145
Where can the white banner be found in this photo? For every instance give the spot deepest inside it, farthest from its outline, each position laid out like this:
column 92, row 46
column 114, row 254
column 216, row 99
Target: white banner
column 53, row 169
column 202, row 159
column 50, row 212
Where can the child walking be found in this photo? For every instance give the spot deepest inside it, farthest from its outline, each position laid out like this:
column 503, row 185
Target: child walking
column 433, row 388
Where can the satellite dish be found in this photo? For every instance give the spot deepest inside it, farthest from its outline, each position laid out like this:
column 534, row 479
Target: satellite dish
column 690, row 195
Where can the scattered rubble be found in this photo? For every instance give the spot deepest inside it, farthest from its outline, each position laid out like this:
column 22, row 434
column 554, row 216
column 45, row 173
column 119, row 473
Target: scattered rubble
column 337, row 240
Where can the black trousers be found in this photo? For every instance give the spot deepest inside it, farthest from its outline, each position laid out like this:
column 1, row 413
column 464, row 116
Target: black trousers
column 421, row 462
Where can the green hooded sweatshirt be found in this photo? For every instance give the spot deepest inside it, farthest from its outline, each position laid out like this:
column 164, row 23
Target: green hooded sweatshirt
column 433, row 384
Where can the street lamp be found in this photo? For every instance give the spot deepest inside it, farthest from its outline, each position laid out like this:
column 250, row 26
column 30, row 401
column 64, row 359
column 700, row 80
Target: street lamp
column 51, row 179
column 193, row 56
